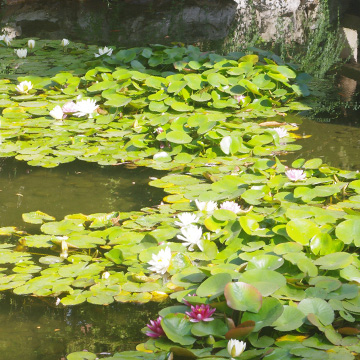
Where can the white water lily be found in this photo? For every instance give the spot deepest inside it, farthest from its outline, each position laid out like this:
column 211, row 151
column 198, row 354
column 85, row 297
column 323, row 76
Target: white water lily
column 207, row 206
column 57, row 112
column 64, row 249
column 105, row 275
column 295, row 174
column 235, row 347
column 31, row 44
column 186, row 219
column 282, row 132
column 21, row 53
column 225, row 144
column 231, row 205
column 65, row 42
column 160, row 262
column 191, row 235
column 161, row 154
column 86, row 107
column 6, row 39
column 104, row 51
column 24, row 87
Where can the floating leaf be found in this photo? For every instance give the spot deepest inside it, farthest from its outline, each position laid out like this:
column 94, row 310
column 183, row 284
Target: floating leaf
column 243, row 297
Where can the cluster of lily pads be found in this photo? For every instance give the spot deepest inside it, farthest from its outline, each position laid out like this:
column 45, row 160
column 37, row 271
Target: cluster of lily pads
column 259, row 256
column 154, row 106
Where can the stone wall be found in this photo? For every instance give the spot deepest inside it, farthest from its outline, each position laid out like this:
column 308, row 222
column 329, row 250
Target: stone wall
column 137, row 22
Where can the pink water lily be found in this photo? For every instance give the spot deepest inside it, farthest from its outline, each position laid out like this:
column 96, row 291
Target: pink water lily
column 69, row 107
column 200, row 313
column 295, row 174
column 185, row 301
column 231, row 205
column 281, row 131
column 239, row 98
column 155, row 328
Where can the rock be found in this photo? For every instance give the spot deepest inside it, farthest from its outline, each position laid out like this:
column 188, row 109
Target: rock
column 137, row 22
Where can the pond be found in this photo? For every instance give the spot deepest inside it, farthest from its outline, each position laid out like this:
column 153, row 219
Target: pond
column 34, row 330
column 39, row 330
column 73, row 188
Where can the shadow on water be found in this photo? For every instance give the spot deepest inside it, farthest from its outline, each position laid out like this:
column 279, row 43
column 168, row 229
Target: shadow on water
column 72, row 188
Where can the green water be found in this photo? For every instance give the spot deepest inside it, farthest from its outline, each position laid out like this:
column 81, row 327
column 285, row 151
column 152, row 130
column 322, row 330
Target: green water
column 77, row 187
column 33, row 330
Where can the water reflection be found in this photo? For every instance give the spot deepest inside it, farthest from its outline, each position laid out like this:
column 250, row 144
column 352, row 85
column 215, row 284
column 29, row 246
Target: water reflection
column 33, row 330
column 337, row 145
column 334, row 126
column 77, row 187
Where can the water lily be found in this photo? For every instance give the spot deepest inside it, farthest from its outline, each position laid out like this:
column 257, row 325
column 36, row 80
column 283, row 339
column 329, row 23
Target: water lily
column 104, row 51
column 57, row 113
column 231, row 205
column 155, row 328
column 191, row 235
column 64, row 249
column 235, row 347
column 225, row 144
column 239, row 98
column 159, row 130
column 207, row 206
column 24, row 87
column 69, row 107
column 185, row 301
column 86, row 107
column 200, row 313
column 105, row 275
column 31, row 44
column 21, row 53
column 161, row 154
column 282, row 132
column 160, row 262
column 186, row 219
column 295, row 174
column 6, row 39
column 65, row 42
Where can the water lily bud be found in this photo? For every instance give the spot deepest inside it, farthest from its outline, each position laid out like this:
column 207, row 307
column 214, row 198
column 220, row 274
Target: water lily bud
column 31, row 44
column 105, row 275
column 65, row 42
column 210, row 340
column 235, row 347
column 64, row 246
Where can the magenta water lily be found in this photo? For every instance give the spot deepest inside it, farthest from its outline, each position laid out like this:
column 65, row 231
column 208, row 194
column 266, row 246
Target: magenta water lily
column 155, row 328
column 201, row 313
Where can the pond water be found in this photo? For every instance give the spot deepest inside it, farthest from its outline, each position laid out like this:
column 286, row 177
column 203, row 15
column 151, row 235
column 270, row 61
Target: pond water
column 78, row 187
column 334, row 133
column 36, row 331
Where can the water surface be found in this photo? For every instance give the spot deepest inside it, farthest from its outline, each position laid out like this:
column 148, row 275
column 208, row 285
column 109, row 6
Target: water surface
column 77, row 187
column 31, row 329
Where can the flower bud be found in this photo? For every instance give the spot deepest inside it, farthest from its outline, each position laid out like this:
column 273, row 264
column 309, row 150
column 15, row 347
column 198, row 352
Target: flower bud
column 65, row 42
column 31, row 44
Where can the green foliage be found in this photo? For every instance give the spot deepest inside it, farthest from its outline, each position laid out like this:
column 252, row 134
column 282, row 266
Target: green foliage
column 153, row 113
